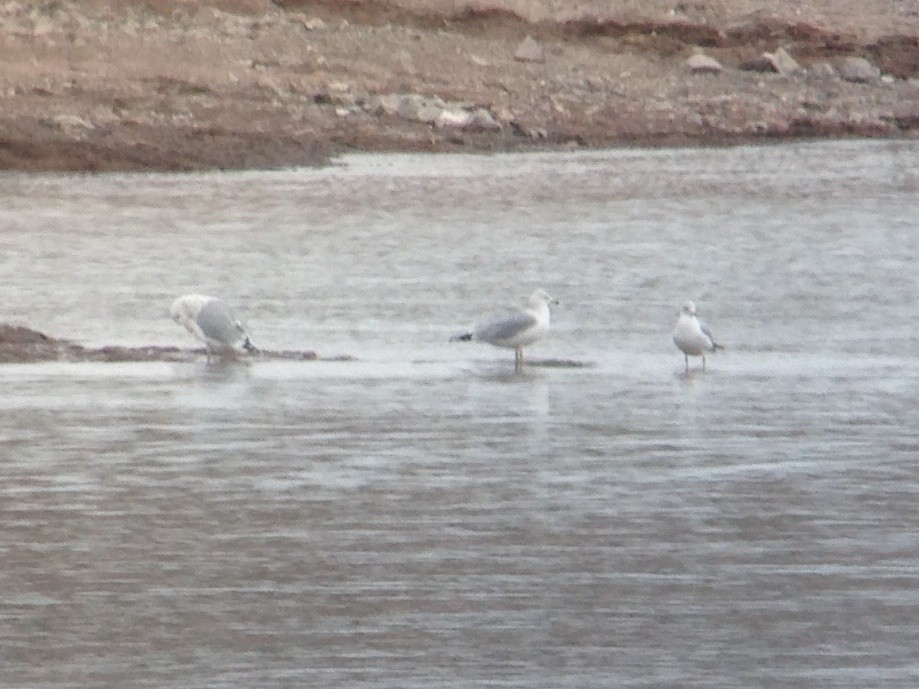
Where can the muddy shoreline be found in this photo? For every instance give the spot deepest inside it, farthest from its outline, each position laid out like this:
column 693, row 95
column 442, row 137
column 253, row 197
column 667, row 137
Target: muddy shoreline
column 167, row 85
column 22, row 345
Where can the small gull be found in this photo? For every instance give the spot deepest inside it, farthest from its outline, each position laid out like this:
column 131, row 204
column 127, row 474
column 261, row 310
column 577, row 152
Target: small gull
column 514, row 328
column 692, row 336
column 212, row 321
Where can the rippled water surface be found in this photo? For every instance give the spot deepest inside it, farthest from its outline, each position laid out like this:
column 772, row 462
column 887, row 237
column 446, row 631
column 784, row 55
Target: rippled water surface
column 421, row 517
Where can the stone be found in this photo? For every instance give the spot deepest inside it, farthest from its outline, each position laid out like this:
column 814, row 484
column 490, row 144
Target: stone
column 905, row 115
column 529, row 51
column 385, row 104
column 336, row 94
column 757, row 64
column 783, row 63
column 503, row 114
column 700, row 63
column 483, row 121
column 475, row 120
column 453, row 119
column 310, row 23
column 858, row 70
column 822, row 70
column 71, row 122
column 418, row 108
column 406, row 62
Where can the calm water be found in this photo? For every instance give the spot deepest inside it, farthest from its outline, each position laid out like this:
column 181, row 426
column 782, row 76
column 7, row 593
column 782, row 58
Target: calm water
column 421, row 517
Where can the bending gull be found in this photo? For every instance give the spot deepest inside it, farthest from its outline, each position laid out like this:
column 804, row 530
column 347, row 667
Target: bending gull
column 514, row 328
column 212, row 321
column 692, row 336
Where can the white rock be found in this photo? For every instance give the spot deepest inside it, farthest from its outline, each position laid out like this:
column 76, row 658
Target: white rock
column 783, row 63
column 858, row 70
column 530, row 51
column 467, row 120
column 312, row 23
column 700, row 63
column 70, row 122
column 453, row 119
column 419, row 108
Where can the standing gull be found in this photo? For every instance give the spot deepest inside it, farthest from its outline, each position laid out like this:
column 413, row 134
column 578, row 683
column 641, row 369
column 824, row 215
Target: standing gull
column 212, row 321
column 692, row 336
column 514, row 328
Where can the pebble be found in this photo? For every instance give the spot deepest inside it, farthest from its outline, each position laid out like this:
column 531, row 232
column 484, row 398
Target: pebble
column 858, row 70
column 71, row 122
column 419, row 108
column 757, row 64
column 783, row 63
column 483, row 121
column 822, row 70
column 700, row 63
column 310, row 23
column 529, row 51
column 452, row 119
column 905, row 115
column 406, row 62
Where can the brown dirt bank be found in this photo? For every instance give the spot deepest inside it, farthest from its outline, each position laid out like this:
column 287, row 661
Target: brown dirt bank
column 172, row 85
column 20, row 345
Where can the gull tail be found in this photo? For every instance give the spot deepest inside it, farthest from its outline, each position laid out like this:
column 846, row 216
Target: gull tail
column 465, row 337
column 716, row 346
column 248, row 346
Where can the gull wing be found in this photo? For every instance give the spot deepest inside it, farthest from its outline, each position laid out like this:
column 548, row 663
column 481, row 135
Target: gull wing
column 504, row 325
column 708, row 334
column 217, row 322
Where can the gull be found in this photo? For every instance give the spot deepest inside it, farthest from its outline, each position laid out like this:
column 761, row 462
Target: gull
column 514, row 328
column 692, row 336
column 212, row 321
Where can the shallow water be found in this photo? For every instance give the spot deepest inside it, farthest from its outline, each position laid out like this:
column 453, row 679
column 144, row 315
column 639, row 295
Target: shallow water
column 421, row 517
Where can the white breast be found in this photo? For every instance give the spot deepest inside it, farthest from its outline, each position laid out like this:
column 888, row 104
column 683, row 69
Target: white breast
column 688, row 336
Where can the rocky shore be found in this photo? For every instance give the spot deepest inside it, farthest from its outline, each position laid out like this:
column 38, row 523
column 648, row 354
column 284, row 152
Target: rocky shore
column 171, row 85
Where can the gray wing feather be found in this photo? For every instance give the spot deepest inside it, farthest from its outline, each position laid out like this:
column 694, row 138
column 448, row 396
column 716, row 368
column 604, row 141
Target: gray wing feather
column 217, row 322
column 708, row 334
column 505, row 325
